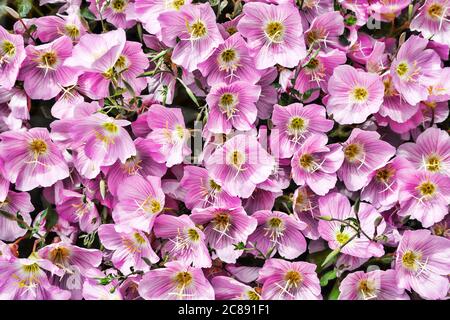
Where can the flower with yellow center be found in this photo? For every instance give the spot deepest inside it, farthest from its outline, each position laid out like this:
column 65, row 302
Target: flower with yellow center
column 72, row 31
column 427, row 189
column 435, row 11
column 197, row 29
column 359, row 95
column 176, row 4
column 47, row 60
column 342, row 238
column 307, row 162
column 274, row 31
column 227, row 103
column 433, row 163
column 293, row 279
column 352, row 152
column 59, row 255
column 151, row 205
column 193, row 235
column 38, row 147
column 253, row 295
column 402, row 68
column 119, row 6
column 221, row 221
column 236, row 158
column 383, row 175
column 367, row 288
column 411, row 260
column 7, row 48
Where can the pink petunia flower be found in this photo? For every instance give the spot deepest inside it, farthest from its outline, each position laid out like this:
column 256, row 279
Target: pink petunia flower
column 278, row 232
column 269, row 95
column 306, row 210
column 12, row 54
column 364, row 153
column 195, row 26
column 50, row 28
column 432, row 20
column 430, row 152
column 31, row 159
column 186, row 242
column 315, row 164
column 422, row 265
column 225, row 228
column 232, row 105
column 274, row 32
column 293, row 124
column 130, row 248
column 424, row 196
column 344, row 236
column 140, row 200
column 354, row 94
column 230, row 62
column 374, row 285
column 148, row 11
column 45, row 70
column 169, row 135
column 325, row 30
column 116, row 12
column 176, row 281
column 284, row 280
column 414, row 69
column 240, row 164
column 202, row 191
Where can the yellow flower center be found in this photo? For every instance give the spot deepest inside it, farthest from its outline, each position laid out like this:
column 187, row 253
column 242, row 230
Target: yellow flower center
column 31, row 268
column 307, row 161
column 222, row 221
column 119, row 6
column 38, row 147
column 111, row 127
column 297, row 124
column 237, row 159
column 402, row 69
column 435, row 11
column 214, row 186
column 274, row 30
column 197, row 29
column 121, row 63
column 48, row 60
column 433, row 163
column 367, row 288
column 228, row 55
column 72, row 31
column 342, row 237
column 183, row 279
column 252, row 295
column 410, row 258
column 293, row 278
column 176, row 4
column 231, row 30
column 151, row 205
column 193, row 235
column 312, row 64
column 352, row 152
column 275, row 223
column 384, row 174
column 59, row 255
column 360, row 94
column 427, row 189
column 8, row 48
column 139, row 239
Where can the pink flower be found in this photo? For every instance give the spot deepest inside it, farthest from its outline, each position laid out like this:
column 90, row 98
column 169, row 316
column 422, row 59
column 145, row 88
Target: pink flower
column 278, row 232
column 239, row 165
column 148, row 11
column 432, row 20
column 176, row 281
column 354, row 94
column 325, row 30
column 71, row 258
column 415, row 69
column 364, row 153
column 225, row 228
column 283, row 280
column 116, row 12
column 226, row 288
column 31, row 159
column 374, row 285
column 50, row 28
column 78, row 208
column 98, row 62
column 169, row 135
column 130, row 248
column 293, row 124
column 232, row 105
column 26, row 279
column 45, row 70
column 15, row 203
column 269, row 95
column 424, row 196
column 202, row 191
column 422, row 264
column 306, row 210
column 315, row 164
column 383, row 189
column 186, row 242
column 139, row 202
column 337, row 206
column 12, row 54
column 274, row 32
column 231, row 61
column 195, row 26
column 102, row 138
column 430, row 152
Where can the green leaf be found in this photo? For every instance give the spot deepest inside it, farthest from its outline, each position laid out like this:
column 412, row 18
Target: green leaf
column 189, row 92
column 106, row 280
column 350, row 21
column 334, row 294
column 51, row 218
column 24, row 7
column 13, row 13
column 331, row 256
column 239, row 246
column 87, row 14
column 129, row 88
column 330, row 275
column 20, row 223
column 357, row 205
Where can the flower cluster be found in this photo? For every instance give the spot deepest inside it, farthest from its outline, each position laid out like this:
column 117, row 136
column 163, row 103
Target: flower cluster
column 257, row 149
